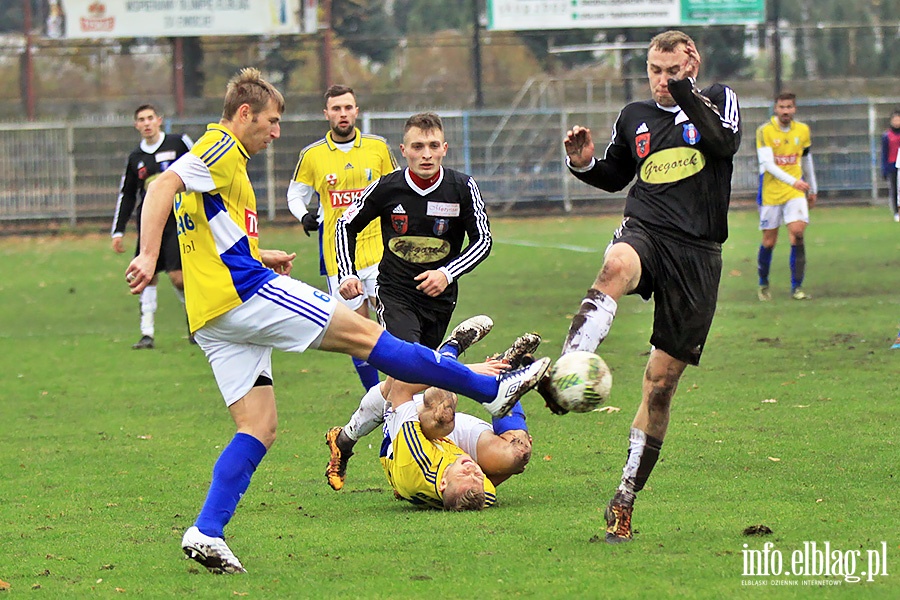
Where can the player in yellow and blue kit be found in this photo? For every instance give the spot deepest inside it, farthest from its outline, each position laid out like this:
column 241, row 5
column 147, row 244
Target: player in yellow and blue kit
column 330, row 174
column 787, row 190
column 240, row 309
column 432, row 472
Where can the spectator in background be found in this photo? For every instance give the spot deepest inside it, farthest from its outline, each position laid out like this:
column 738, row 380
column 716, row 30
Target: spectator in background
column 890, row 143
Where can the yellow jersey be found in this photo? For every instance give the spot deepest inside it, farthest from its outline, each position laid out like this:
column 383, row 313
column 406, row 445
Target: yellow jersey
column 415, row 465
column 788, row 148
column 217, row 227
column 340, row 177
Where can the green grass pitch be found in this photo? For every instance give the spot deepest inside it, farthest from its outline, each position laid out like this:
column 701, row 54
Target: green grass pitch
column 790, row 422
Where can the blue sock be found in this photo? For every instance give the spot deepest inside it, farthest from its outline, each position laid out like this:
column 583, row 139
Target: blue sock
column 415, row 363
column 763, row 264
column 798, row 265
column 514, row 420
column 449, row 349
column 230, row 479
column 368, row 374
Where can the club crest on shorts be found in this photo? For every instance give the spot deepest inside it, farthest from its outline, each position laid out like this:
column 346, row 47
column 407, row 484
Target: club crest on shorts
column 441, row 226
column 690, row 134
column 642, row 144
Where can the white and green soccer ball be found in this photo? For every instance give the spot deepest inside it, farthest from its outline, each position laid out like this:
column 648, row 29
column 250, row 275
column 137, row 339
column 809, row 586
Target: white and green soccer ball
column 581, row 381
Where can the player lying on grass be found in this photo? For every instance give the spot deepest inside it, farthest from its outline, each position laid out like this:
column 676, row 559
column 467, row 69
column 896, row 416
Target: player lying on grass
column 433, row 455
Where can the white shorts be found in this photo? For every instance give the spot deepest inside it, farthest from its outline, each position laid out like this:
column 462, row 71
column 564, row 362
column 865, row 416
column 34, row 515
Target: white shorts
column 369, row 279
column 285, row 314
column 465, row 434
column 795, row 209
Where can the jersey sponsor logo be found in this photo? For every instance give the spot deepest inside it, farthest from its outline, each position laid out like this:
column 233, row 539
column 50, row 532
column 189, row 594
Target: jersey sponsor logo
column 690, row 134
column 343, row 198
column 671, row 165
column 400, row 223
column 419, row 249
column 642, row 145
column 331, row 179
column 251, row 223
column 441, row 226
column 167, row 156
column 442, row 209
column 785, row 159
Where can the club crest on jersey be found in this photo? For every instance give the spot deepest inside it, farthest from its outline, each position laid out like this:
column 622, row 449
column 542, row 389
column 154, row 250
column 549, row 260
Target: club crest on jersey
column 642, row 144
column 368, row 174
column 690, row 134
column 399, row 219
column 331, row 179
column 251, row 223
column 142, row 170
column 441, row 226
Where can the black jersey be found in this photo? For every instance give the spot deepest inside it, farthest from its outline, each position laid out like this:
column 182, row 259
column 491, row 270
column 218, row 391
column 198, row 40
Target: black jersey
column 682, row 157
column 422, row 230
column 144, row 164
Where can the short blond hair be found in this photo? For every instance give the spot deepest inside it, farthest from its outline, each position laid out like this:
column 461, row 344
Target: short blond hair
column 248, row 87
column 465, row 499
column 668, row 41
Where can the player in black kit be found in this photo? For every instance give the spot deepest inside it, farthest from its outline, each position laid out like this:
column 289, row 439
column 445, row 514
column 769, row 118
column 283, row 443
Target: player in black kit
column 156, row 152
column 426, row 212
column 681, row 146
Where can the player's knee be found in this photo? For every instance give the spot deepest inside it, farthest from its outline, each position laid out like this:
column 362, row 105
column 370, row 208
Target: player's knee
column 617, row 270
column 662, row 387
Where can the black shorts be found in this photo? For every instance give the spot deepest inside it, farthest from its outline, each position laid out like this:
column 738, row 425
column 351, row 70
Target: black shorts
column 682, row 274
column 410, row 319
column 169, row 249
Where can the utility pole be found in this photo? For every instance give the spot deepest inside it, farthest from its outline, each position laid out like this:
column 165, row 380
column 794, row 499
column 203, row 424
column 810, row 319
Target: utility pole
column 178, row 74
column 776, row 45
column 476, row 54
column 28, row 63
column 327, row 37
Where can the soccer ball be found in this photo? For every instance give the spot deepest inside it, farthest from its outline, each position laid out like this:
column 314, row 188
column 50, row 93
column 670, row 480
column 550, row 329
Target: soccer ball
column 580, row 381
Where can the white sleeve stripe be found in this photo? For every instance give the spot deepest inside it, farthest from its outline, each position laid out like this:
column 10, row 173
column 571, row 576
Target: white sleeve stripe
column 344, row 260
column 118, row 205
column 482, row 247
column 732, row 117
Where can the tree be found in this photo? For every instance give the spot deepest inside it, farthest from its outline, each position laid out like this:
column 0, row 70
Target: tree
column 364, row 27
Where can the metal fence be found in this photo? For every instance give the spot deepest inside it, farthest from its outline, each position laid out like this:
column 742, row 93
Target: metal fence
column 71, row 171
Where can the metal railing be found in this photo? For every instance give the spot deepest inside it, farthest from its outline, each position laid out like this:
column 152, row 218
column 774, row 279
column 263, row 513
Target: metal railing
column 71, row 171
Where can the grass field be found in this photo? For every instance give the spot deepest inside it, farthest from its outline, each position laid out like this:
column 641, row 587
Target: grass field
column 790, row 422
